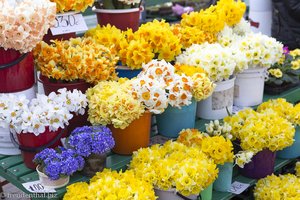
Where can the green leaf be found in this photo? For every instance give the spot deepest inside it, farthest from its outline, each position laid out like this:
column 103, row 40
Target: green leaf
column 278, row 81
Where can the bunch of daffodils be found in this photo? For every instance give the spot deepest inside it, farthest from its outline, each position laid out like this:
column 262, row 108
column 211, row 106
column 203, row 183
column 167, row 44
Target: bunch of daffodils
column 283, row 108
column 174, row 166
column 77, row 58
column 217, row 148
column 44, row 112
column 257, row 131
column 108, row 185
column 72, row 5
column 111, row 103
column 203, row 87
column 216, row 60
column 278, row 187
column 260, row 50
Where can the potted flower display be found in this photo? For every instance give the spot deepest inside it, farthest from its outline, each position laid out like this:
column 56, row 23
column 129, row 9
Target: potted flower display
column 55, row 167
column 262, row 134
column 291, row 113
column 279, row 187
column 153, row 40
column 261, row 52
column 92, row 143
column 111, row 185
column 75, row 64
column 174, row 170
column 115, row 11
column 204, row 26
column 284, row 74
column 63, row 8
column 219, row 65
column 19, row 34
column 41, row 122
column 217, row 148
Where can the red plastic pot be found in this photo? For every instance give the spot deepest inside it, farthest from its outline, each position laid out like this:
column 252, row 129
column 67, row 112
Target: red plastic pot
column 31, row 144
column 54, row 86
column 77, row 120
column 16, row 71
column 65, row 36
column 120, row 18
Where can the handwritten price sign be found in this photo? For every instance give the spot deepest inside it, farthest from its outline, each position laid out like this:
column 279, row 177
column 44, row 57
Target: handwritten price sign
column 238, row 188
column 68, row 23
column 37, row 187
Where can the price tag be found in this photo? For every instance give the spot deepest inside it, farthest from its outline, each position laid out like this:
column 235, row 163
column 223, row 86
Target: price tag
column 68, row 23
column 238, row 188
column 37, row 187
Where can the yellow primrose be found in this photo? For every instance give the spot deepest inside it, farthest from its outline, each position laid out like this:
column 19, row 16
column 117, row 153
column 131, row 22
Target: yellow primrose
column 275, row 72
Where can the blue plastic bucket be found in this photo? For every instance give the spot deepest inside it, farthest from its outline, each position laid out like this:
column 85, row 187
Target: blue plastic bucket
column 291, row 151
column 173, row 120
column 126, row 72
column 223, row 182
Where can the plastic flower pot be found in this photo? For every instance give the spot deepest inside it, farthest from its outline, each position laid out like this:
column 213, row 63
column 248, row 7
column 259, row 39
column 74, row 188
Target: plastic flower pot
column 120, row 18
column 52, row 184
column 206, row 194
column 249, row 87
column 223, row 182
column 133, row 137
column 126, row 72
column 262, row 165
column 65, row 36
column 51, row 86
column 16, row 71
column 173, row 120
column 30, row 144
column 216, row 106
column 172, row 195
column 93, row 164
column 77, row 120
column 291, row 151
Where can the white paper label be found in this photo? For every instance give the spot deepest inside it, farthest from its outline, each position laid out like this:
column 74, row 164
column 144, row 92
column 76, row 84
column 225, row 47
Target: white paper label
column 68, row 23
column 37, row 187
column 238, row 188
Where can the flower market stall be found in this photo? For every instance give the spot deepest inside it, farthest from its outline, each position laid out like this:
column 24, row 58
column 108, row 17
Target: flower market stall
column 145, row 111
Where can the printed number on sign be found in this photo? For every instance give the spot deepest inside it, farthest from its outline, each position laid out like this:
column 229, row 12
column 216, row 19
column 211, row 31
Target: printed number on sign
column 36, row 187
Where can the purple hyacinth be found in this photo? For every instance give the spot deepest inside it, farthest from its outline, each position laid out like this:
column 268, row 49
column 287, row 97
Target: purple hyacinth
column 59, row 162
column 91, row 139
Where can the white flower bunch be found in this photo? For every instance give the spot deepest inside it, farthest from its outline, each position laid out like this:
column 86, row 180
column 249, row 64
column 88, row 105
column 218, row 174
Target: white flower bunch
column 242, row 28
column 213, row 58
column 243, row 157
column 180, row 91
column 216, row 128
column 52, row 112
column 161, row 71
column 75, row 100
column 260, row 50
column 151, row 93
column 23, row 23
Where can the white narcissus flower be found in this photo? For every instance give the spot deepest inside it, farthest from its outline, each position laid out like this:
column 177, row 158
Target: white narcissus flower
column 24, row 116
column 243, row 157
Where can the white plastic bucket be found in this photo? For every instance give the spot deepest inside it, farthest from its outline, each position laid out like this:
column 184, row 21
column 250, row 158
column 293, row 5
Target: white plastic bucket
column 260, row 21
column 52, row 184
column 260, row 5
column 249, row 87
column 6, row 146
column 171, row 195
column 214, row 107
